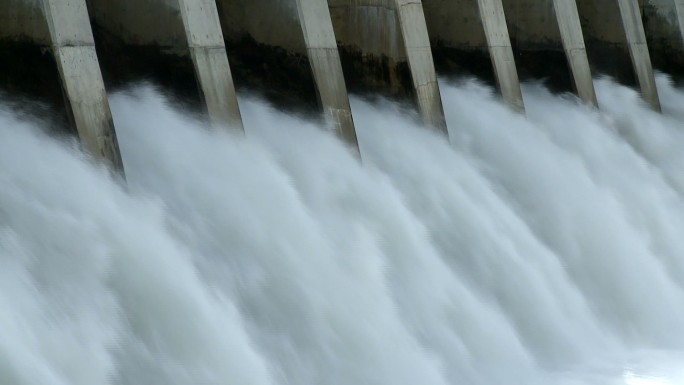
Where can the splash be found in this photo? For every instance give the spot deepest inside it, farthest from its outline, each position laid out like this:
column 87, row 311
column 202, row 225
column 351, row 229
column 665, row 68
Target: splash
column 538, row 250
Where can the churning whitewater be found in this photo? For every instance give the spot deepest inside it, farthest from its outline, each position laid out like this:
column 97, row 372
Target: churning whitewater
column 545, row 250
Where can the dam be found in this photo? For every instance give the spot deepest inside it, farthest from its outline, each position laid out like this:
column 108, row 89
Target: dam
column 341, row 192
column 385, row 46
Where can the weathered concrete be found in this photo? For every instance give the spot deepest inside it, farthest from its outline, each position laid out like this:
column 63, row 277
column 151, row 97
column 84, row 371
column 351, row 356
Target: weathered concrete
column 419, row 54
column 501, row 52
column 570, row 28
column 614, row 31
column 290, row 35
column 463, row 31
column 74, row 50
column 208, row 52
column 384, row 37
column 664, row 26
column 23, row 20
column 638, row 50
column 272, row 23
column 181, row 27
column 375, row 31
column 372, row 46
column 545, row 34
column 324, row 59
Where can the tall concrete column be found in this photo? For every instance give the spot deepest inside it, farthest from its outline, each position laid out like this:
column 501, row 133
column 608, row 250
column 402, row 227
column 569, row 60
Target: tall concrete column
column 324, row 58
column 208, row 52
column 419, row 55
column 575, row 50
column 548, row 41
column 500, row 52
column 74, row 49
column 468, row 36
column 614, row 33
column 638, row 51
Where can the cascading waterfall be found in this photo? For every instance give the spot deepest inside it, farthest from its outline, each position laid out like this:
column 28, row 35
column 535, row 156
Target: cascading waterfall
column 539, row 250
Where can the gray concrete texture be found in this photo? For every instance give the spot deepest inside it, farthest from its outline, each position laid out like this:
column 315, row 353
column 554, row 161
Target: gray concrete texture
column 23, row 20
column 212, row 70
column 477, row 25
column 617, row 25
column 216, row 86
column 572, row 39
column 270, row 22
column 419, row 54
column 394, row 31
column 534, row 24
column 186, row 27
column 638, row 51
column 368, row 26
column 324, row 58
column 493, row 19
column 74, row 50
column 303, row 27
column 553, row 25
column 373, row 28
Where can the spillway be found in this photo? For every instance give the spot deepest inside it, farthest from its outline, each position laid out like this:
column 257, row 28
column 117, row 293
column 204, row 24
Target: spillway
column 268, row 192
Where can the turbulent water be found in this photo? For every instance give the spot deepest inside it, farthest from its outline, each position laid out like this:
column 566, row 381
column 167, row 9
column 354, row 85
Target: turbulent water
column 545, row 250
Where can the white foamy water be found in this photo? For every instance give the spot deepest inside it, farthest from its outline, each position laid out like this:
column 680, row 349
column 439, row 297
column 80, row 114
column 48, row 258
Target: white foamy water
column 541, row 250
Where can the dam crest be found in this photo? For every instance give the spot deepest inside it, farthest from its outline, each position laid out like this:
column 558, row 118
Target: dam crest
column 316, row 51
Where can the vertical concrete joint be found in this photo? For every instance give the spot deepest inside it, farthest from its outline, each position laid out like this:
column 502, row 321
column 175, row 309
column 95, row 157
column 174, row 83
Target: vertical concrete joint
column 633, row 26
column 208, row 52
column 324, row 59
column 501, row 52
column 572, row 37
column 74, row 50
column 421, row 65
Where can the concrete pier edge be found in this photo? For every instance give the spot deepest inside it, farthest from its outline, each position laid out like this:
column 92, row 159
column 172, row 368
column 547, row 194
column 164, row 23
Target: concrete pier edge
column 74, row 50
column 501, row 53
column 638, row 50
column 324, row 59
column 572, row 37
column 212, row 69
column 419, row 54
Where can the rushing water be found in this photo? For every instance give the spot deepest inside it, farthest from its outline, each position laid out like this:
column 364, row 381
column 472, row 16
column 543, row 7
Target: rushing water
column 538, row 251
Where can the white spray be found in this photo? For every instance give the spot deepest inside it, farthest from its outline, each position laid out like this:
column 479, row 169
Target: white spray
column 531, row 251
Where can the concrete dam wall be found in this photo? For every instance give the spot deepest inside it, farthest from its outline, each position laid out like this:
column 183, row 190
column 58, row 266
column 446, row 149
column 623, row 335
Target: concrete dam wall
column 311, row 52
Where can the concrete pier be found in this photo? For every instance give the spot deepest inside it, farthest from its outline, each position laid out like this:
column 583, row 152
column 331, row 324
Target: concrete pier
column 372, row 46
column 419, row 55
column 615, row 37
column 324, row 58
column 572, row 37
column 74, row 50
column 501, row 52
column 208, row 53
column 291, row 45
column 470, row 37
column 638, row 50
column 183, row 28
column 464, row 32
column 386, row 43
column 304, row 55
column 664, row 25
column 548, row 41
